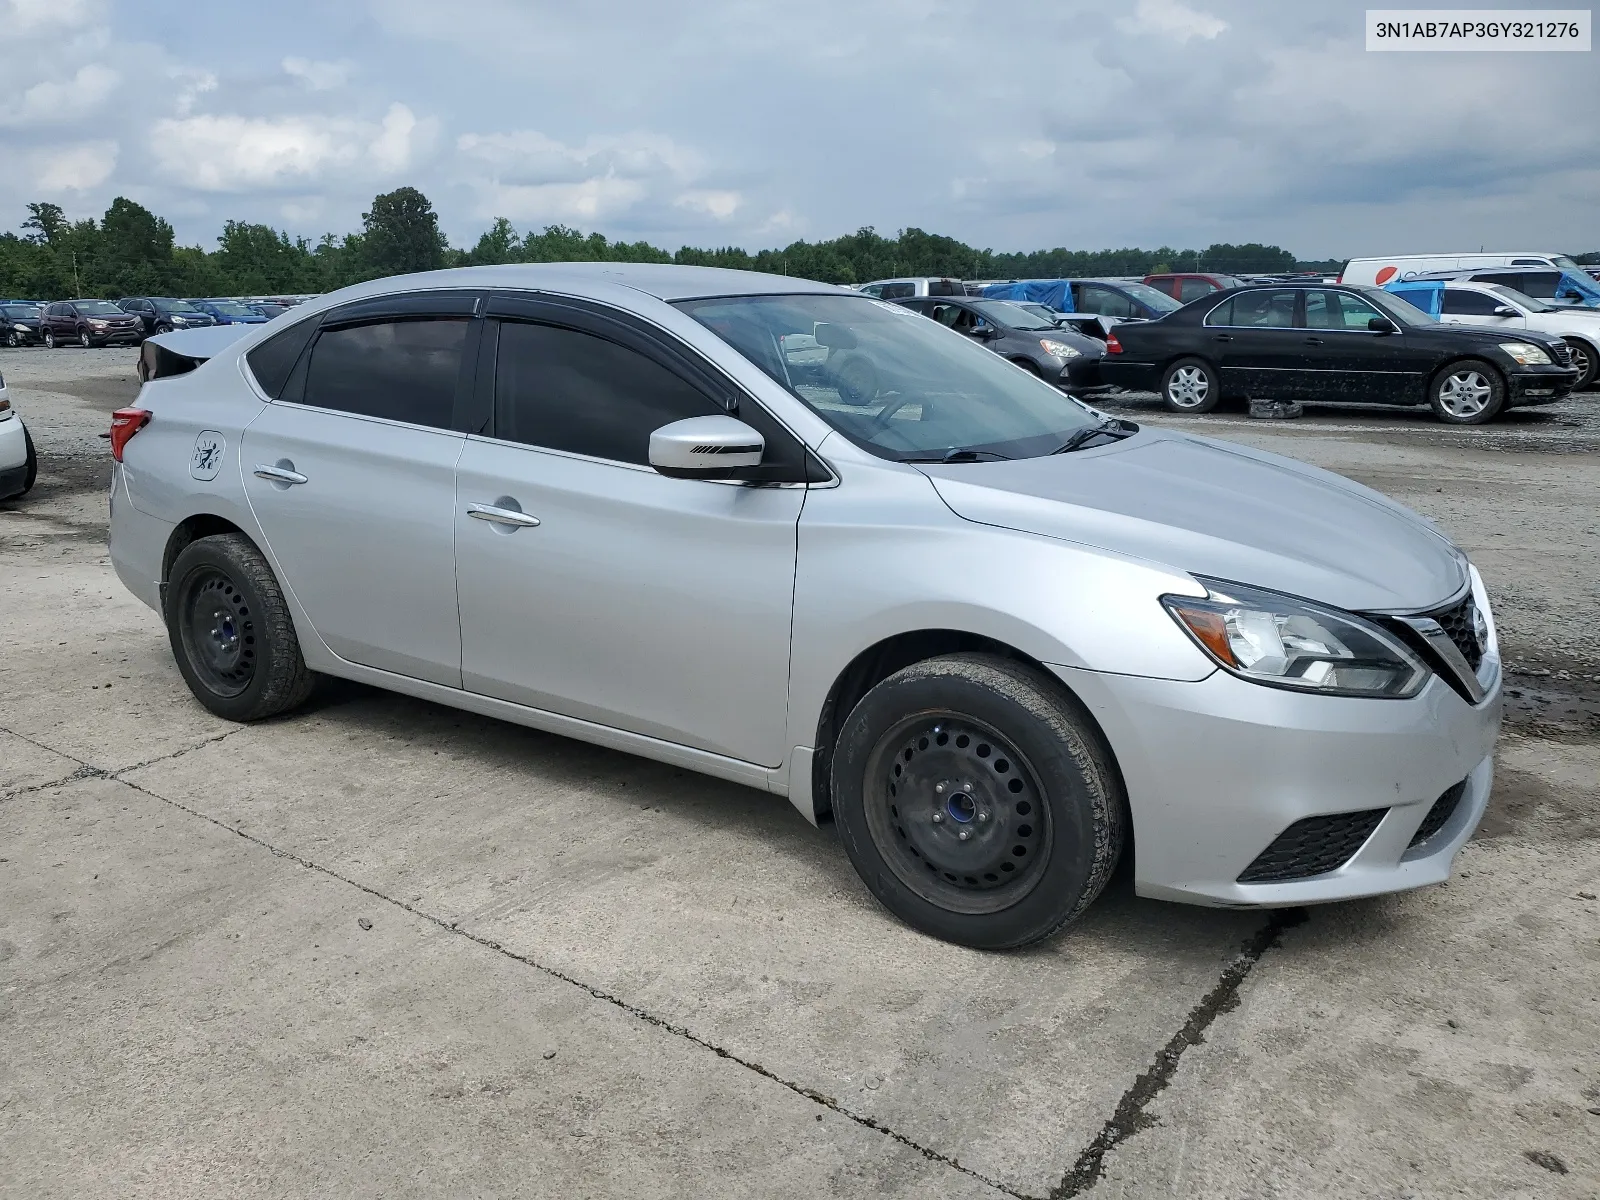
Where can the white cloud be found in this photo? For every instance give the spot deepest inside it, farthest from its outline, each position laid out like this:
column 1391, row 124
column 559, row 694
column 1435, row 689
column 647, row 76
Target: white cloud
column 718, row 204
column 28, row 16
column 529, row 155
column 75, row 168
column 391, row 149
column 1174, row 19
column 56, row 102
column 587, row 200
column 192, row 84
column 318, row 76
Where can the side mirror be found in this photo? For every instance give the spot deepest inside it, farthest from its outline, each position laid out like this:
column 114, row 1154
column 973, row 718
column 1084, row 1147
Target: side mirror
column 1382, row 325
column 705, row 448
column 1505, row 310
column 983, row 332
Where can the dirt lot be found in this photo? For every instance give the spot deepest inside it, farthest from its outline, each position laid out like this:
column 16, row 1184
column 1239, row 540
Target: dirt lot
column 385, row 948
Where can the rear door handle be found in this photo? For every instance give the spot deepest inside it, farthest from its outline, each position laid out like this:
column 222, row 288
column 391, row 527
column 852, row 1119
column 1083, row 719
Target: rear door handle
column 1313, row 341
column 502, row 516
column 278, row 474
column 1224, row 337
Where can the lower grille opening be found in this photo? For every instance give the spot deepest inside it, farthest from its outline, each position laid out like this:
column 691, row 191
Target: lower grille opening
column 1439, row 815
column 1313, row 846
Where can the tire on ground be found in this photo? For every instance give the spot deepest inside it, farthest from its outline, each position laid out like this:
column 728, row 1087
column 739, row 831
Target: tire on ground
column 277, row 678
column 1077, row 832
column 1191, row 385
column 1451, row 389
column 1587, row 358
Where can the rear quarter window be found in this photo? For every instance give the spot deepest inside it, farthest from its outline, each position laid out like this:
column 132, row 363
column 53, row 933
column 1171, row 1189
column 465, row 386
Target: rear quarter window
column 273, row 360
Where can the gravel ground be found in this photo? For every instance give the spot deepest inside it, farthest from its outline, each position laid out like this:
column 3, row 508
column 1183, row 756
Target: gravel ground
column 385, row 948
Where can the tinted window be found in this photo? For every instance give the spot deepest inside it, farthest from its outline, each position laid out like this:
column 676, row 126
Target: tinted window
column 401, row 370
column 1539, row 284
column 1338, row 310
column 946, row 287
column 897, row 291
column 1193, row 289
column 273, row 360
column 1468, row 304
column 577, row 392
column 1092, row 298
column 1266, row 310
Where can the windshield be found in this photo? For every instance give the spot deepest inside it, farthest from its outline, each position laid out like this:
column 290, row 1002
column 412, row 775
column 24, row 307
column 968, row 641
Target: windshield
column 895, row 383
column 230, row 308
column 21, row 312
column 1516, row 297
column 97, row 308
column 175, row 306
column 1400, row 309
column 1039, row 310
column 1013, row 316
column 1148, row 295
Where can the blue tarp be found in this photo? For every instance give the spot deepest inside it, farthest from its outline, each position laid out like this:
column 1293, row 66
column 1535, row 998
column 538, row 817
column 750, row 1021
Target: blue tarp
column 1426, row 294
column 1052, row 293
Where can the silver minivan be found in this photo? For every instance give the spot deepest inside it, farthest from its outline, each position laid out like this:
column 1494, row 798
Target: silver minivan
column 998, row 638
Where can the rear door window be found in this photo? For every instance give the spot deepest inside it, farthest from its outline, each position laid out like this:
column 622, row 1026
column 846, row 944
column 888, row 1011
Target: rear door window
column 402, row 370
column 1094, row 298
column 1261, row 310
column 898, row 291
column 1193, row 289
column 1462, row 303
column 1539, row 284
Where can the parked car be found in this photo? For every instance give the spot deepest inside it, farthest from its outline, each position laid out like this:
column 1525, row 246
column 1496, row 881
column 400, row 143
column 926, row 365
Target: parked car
column 19, row 323
column 1493, row 306
column 229, row 312
column 1034, row 342
column 269, row 310
column 996, row 635
column 161, row 314
column 1334, row 344
column 1184, row 287
column 1120, row 298
column 1400, row 267
column 920, row 285
column 19, row 462
column 1567, row 288
column 87, row 322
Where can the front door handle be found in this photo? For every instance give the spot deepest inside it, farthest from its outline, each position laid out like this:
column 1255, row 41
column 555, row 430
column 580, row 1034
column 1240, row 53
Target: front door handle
column 502, row 516
column 1224, row 337
column 278, row 474
column 1313, row 341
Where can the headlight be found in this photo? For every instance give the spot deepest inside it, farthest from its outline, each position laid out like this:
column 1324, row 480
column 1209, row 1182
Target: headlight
column 1527, row 355
column 97, row 324
column 1285, row 642
column 177, row 320
column 1057, row 349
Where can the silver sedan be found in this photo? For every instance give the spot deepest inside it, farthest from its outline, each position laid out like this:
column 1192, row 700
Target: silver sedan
column 794, row 536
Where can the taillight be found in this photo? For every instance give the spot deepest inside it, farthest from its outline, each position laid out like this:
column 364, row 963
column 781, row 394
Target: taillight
column 126, row 422
column 1112, row 345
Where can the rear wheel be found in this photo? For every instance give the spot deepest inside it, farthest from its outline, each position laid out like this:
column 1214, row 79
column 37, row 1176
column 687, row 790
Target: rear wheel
column 1469, row 392
column 1191, row 385
column 977, row 801
column 231, row 632
column 1586, row 359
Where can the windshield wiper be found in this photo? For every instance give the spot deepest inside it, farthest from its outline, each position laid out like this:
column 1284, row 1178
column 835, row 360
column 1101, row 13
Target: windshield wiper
column 961, row 454
column 1112, row 428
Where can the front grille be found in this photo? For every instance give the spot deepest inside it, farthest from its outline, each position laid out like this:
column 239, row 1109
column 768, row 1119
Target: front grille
column 1563, row 354
column 1459, row 622
column 1439, row 815
column 1313, row 846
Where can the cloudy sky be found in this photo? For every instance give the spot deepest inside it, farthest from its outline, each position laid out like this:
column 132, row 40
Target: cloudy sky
column 1014, row 124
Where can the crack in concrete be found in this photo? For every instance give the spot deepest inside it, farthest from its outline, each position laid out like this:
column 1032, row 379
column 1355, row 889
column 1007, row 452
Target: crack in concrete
column 1130, row 1116
column 89, row 771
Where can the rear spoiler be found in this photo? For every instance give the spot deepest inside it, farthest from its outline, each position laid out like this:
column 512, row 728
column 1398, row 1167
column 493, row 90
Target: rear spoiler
column 183, row 350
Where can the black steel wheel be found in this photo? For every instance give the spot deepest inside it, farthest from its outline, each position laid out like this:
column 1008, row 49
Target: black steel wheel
column 231, row 631
column 977, row 800
column 954, row 808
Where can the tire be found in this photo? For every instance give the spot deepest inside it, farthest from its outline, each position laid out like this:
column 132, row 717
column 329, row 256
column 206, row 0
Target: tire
column 49, row 339
column 1587, row 359
column 1191, row 385
column 1469, row 392
column 13, row 339
column 84, row 339
column 31, row 471
column 857, row 380
column 231, row 632
column 1028, row 367
column 1020, row 770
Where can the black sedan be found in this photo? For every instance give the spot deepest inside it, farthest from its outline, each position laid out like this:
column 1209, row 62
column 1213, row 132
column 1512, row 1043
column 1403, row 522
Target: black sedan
column 1068, row 360
column 1334, row 344
column 19, row 323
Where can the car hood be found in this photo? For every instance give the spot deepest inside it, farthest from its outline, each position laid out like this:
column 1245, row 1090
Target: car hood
column 1219, row 509
column 1487, row 333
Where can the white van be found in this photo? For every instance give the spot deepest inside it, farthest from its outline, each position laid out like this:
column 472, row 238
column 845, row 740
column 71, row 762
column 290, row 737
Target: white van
column 1399, row 267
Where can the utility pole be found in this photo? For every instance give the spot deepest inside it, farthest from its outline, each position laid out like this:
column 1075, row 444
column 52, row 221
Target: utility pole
column 77, row 288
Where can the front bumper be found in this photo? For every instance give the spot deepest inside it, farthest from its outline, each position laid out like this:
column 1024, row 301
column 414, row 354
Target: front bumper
column 1539, row 385
column 1081, row 376
column 1216, row 770
column 13, row 445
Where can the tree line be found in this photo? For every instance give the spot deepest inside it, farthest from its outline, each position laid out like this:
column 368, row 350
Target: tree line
column 131, row 251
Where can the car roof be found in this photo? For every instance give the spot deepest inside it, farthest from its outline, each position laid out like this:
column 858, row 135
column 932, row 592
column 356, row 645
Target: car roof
column 596, row 280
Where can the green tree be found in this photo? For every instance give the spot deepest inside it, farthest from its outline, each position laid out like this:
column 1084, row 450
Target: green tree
column 401, row 234
column 499, row 244
column 46, row 220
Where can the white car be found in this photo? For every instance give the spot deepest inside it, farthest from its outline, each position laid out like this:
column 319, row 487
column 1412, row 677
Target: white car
column 19, row 464
column 1495, row 306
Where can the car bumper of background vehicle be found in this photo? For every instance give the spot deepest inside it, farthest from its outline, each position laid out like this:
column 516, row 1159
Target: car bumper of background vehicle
column 1130, row 376
column 1217, row 770
column 13, row 450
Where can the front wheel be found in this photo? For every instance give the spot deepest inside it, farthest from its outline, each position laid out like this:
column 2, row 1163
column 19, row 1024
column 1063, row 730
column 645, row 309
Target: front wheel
column 1191, row 385
column 1469, row 392
column 49, row 339
column 13, row 339
column 977, row 801
column 231, row 632
column 83, row 338
column 1586, row 360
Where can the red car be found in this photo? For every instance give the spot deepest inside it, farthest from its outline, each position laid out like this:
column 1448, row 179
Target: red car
column 1184, row 287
